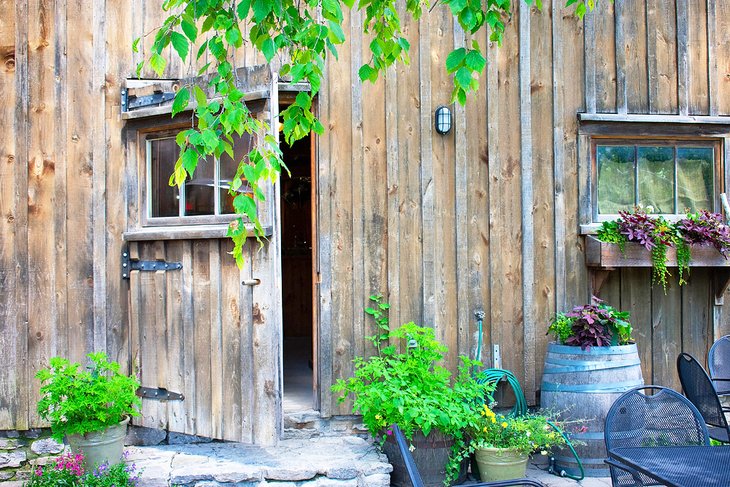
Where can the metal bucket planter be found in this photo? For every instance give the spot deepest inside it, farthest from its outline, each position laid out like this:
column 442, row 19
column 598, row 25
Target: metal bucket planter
column 501, row 464
column 100, row 446
column 581, row 385
column 431, row 455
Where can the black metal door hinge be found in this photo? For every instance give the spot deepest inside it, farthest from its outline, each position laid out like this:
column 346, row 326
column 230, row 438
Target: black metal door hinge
column 129, row 265
column 159, row 394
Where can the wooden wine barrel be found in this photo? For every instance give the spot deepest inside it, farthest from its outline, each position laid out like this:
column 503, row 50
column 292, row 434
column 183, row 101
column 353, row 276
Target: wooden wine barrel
column 431, row 455
column 582, row 385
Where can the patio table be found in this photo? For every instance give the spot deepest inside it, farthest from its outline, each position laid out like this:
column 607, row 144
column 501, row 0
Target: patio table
column 679, row 466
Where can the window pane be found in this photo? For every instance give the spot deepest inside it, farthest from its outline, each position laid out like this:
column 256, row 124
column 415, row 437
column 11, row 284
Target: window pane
column 616, row 178
column 694, row 178
column 163, row 197
column 241, row 147
column 199, row 190
column 656, row 178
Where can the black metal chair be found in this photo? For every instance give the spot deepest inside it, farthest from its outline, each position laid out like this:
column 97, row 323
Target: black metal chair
column 650, row 416
column 698, row 388
column 415, row 476
column 718, row 364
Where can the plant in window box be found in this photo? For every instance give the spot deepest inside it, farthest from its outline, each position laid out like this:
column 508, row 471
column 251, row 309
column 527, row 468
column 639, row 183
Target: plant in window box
column 657, row 235
column 593, row 361
column 404, row 384
column 90, row 407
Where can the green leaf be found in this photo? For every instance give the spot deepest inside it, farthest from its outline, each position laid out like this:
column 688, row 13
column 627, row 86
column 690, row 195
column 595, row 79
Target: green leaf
column 455, row 59
column 180, row 102
column 367, row 73
column 158, row 63
column 243, row 8
column 190, row 30
column 233, row 36
column 135, row 44
column 475, row 61
column 189, row 159
column 261, row 9
column 200, row 97
column 268, row 49
column 463, row 77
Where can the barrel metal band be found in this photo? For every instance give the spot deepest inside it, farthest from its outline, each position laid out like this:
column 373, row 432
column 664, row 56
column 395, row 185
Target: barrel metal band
column 568, row 367
column 592, row 388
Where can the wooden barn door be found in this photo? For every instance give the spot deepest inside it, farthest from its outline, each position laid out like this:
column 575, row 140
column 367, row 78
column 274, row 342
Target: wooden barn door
column 205, row 336
column 209, row 333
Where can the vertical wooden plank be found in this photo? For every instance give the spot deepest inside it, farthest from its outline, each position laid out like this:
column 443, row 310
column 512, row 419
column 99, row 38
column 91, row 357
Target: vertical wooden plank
column 191, row 337
column 341, row 156
column 120, row 157
column 99, row 167
column 697, row 300
column 569, row 94
column 159, row 332
column 41, row 171
column 216, row 338
column 13, row 208
column 662, row 54
column 135, row 315
column 605, row 45
column 544, row 248
column 60, row 232
column 504, row 199
column 393, row 179
column 426, row 164
column 441, row 237
column 527, row 203
column 682, row 57
column 621, row 55
column 357, row 173
column 698, row 59
column 202, row 323
column 666, row 314
column 247, row 363
column 409, row 299
column 81, row 102
column 589, row 24
column 636, row 299
column 721, row 48
column 713, row 80
column 375, row 194
column 232, row 375
column 631, row 56
column 176, row 343
column 324, row 247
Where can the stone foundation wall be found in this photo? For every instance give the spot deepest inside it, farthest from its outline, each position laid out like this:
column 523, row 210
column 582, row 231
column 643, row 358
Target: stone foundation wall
column 21, row 451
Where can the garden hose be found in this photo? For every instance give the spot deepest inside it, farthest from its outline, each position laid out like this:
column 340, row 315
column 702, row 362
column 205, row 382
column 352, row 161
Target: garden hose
column 520, row 407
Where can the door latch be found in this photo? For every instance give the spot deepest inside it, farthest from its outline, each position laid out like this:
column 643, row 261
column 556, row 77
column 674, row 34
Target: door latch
column 129, row 265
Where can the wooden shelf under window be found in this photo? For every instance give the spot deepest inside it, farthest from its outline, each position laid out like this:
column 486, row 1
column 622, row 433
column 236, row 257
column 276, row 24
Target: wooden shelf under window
column 602, row 258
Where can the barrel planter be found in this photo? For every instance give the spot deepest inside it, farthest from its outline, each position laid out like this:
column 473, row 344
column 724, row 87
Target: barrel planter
column 582, row 385
column 431, row 455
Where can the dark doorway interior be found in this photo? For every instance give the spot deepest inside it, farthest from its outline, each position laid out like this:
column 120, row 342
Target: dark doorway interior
column 296, row 266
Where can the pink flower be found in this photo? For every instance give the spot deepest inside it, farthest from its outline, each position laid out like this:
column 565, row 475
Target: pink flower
column 389, row 432
column 39, row 471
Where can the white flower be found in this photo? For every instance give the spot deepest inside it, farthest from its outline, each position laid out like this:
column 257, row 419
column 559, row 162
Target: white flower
column 543, row 452
column 411, row 448
column 527, row 433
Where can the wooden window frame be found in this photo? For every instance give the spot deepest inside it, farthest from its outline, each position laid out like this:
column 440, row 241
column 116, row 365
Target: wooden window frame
column 642, row 129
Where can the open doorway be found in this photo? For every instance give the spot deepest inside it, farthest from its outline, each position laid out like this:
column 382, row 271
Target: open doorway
column 297, row 280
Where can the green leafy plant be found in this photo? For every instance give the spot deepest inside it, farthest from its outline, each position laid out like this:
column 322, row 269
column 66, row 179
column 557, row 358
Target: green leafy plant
column 592, row 325
column 657, row 235
column 78, row 401
column 404, row 384
column 68, row 471
column 525, row 434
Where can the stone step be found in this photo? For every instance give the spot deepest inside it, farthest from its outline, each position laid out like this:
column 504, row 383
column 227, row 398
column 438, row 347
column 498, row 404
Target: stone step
column 345, row 461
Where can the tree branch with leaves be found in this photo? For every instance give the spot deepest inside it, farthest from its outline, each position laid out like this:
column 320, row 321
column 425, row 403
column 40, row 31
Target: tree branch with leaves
column 304, row 32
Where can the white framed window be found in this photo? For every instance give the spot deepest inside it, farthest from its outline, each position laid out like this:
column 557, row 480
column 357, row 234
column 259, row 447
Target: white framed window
column 203, row 199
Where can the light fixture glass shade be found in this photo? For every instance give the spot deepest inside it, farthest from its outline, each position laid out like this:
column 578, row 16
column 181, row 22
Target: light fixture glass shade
column 443, row 120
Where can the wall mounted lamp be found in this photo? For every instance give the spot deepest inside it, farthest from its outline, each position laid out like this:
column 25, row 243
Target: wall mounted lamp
column 443, row 120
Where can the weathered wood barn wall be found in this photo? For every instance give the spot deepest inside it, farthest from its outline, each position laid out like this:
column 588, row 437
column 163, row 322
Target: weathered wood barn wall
column 485, row 218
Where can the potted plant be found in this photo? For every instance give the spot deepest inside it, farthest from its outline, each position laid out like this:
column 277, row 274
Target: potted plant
column 659, row 236
column 404, row 384
column 502, row 444
column 89, row 406
column 593, row 360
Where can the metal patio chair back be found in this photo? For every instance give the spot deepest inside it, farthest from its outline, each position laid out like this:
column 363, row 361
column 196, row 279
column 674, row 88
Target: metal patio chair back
column 417, row 481
column 698, row 388
column 650, row 416
column 718, row 363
